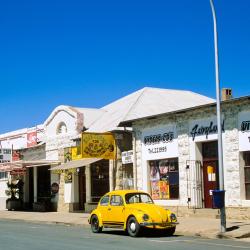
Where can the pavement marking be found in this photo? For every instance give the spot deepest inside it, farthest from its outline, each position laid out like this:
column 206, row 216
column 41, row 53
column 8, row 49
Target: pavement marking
column 199, row 241
column 224, row 245
column 170, row 241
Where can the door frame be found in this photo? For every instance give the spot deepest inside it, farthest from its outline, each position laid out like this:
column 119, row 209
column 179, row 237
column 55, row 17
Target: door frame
column 206, row 188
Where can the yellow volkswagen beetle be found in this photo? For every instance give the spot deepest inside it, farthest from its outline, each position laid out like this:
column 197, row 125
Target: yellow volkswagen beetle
column 131, row 210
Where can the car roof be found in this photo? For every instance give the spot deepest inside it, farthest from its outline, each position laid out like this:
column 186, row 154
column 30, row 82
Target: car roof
column 123, row 192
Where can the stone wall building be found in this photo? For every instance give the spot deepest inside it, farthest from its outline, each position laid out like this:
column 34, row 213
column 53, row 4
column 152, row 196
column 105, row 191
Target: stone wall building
column 177, row 156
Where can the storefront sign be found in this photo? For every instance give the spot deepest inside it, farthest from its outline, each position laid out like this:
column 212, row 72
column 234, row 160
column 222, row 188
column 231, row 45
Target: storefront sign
column 16, row 155
column 31, row 139
column 159, row 142
column 18, row 172
column 76, row 153
column 98, row 145
column 244, row 131
column 68, row 176
column 199, row 130
column 127, row 157
column 67, row 154
column 245, row 126
column 5, row 155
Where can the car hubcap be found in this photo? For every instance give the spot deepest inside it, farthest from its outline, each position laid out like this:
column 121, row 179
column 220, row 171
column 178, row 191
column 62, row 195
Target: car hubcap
column 95, row 224
column 132, row 227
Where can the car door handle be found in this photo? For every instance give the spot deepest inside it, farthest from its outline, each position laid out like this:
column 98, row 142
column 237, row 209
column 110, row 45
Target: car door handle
column 109, row 208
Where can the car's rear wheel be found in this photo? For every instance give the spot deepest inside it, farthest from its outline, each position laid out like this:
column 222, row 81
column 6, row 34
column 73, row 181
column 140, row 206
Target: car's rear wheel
column 133, row 227
column 95, row 226
column 170, row 231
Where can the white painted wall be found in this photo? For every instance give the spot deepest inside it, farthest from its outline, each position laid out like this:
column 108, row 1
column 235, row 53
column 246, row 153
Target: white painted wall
column 189, row 149
column 61, row 116
column 55, row 141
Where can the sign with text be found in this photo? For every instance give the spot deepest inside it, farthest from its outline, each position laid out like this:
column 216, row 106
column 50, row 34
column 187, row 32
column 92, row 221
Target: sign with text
column 206, row 129
column 244, row 131
column 127, row 157
column 76, row 153
column 98, row 145
column 159, row 142
column 5, row 155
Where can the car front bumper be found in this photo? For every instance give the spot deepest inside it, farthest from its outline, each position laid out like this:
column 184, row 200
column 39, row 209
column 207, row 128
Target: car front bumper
column 159, row 224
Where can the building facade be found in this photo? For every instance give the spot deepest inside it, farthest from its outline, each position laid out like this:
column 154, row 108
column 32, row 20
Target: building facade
column 177, row 156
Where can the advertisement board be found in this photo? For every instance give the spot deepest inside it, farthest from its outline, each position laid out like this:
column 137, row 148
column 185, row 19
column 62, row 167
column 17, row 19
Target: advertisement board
column 159, row 142
column 98, row 145
column 5, row 155
column 31, row 139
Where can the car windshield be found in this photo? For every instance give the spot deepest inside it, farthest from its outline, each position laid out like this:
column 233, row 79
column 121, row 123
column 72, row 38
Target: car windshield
column 138, row 198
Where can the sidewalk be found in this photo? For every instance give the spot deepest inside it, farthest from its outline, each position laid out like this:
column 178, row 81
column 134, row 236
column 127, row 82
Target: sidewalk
column 189, row 226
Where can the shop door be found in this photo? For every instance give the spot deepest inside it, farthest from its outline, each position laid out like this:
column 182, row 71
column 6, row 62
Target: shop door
column 210, row 174
column 82, row 188
column 43, row 184
column 210, row 171
column 31, row 188
column 99, row 179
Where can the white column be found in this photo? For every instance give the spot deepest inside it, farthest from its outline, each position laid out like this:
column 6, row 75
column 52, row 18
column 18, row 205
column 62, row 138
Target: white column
column 111, row 175
column 35, row 183
column 88, row 183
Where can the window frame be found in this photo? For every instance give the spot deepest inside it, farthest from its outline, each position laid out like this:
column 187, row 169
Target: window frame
column 116, row 204
column 3, row 176
column 105, row 204
column 157, row 179
column 246, row 157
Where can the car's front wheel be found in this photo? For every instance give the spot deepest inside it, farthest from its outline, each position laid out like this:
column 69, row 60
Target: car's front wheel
column 133, row 227
column 95, row 226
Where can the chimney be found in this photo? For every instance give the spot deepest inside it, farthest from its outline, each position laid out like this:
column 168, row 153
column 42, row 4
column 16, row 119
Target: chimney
column 226, row 94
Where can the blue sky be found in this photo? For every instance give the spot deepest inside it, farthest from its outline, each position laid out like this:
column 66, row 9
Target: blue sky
column 90, row 53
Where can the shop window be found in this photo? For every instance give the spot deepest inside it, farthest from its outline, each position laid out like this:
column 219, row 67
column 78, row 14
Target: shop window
column 127, row 176
column 3, row 175
column 164, row 179
column 246, row 157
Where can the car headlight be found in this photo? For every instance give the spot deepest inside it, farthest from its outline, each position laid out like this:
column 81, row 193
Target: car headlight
column 145, row 217
column 173, row 217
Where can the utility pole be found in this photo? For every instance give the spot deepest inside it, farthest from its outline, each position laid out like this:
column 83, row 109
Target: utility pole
column 220, row 151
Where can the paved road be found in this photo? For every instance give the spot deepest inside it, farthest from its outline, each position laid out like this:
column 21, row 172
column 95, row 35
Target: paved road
column 28, row 236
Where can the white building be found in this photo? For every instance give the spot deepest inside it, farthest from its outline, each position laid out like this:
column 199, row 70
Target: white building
column 177, row 156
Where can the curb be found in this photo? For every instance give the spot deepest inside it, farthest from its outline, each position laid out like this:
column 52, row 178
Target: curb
column 45, row 222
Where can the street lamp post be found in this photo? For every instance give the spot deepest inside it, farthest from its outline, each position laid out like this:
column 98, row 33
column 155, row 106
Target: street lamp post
column 221, row 171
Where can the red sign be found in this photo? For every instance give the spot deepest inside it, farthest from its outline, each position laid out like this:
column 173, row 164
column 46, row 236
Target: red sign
column 16, row 155
column 31, row 139
column 18, row 172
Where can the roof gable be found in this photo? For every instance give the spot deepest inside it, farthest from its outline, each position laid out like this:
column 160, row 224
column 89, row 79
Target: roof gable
column 146, row 102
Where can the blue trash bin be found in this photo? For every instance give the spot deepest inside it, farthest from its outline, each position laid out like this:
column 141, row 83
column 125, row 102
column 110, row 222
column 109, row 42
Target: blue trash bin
column 218, row 198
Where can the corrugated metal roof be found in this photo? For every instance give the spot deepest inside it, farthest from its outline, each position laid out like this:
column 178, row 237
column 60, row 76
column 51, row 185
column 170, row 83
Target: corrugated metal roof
column 146, row 102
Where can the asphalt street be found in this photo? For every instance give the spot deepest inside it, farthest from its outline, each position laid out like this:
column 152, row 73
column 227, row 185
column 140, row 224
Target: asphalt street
column 16, row 235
